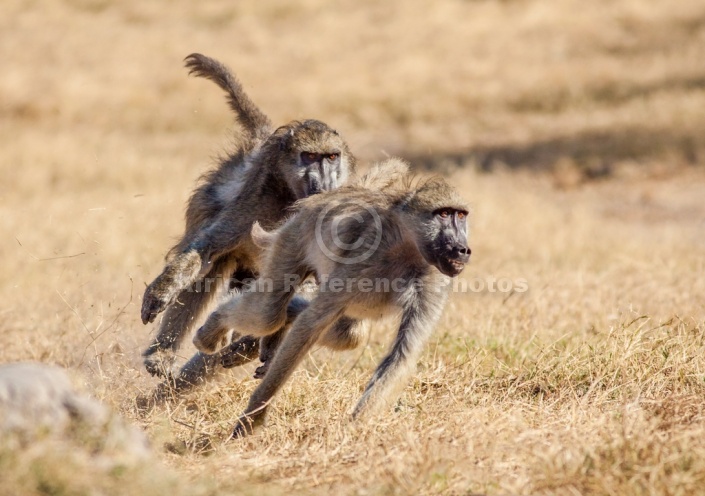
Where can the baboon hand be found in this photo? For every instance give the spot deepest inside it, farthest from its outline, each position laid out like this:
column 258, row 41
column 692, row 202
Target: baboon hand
column 157, row 297
column 212, row 336
column 152, row 306
column 181, row 272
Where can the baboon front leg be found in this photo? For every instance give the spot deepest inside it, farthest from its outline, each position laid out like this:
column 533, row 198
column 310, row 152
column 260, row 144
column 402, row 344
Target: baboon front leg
column 201, row 368
column 180, row 318
column 194, row 373
column 418, row 320
column 198, row 371
column 176, row 276
column 304, row 333
column 199, row 258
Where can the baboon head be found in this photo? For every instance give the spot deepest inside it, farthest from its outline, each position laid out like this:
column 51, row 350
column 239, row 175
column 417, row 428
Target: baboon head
column 441, row 226
column 314, row 157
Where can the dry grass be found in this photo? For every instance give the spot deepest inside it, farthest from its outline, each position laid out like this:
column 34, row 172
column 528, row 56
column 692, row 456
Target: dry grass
column 589, row 383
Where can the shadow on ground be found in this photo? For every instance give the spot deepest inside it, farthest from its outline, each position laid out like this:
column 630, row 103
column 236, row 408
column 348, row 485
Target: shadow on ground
column 595, row 152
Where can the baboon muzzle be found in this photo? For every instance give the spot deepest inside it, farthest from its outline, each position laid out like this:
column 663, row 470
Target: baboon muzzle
column 454, row 260
column 461, row 253
column 313, row 187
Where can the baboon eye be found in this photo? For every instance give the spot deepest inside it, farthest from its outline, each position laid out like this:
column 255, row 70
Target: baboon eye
column 309, row 157
column 461, row 215
column 443, row 213
column 332, row 156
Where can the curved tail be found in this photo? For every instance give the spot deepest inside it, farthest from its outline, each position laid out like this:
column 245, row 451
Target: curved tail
column 254, row 122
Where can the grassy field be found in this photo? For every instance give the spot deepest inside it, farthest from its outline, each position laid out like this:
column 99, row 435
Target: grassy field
column 576, row 131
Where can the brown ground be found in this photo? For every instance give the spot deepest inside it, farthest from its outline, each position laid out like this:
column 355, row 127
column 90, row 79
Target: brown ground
column 590, row 382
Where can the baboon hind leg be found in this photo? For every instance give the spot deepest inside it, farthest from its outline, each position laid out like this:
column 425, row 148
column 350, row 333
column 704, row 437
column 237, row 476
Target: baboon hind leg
column 202, row 367
column 179, row 319
column 190, row 376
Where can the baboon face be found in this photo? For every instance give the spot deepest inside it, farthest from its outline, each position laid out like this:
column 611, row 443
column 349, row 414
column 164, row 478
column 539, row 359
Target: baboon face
column 321, row 159
column 441, row 226
column 447, row 248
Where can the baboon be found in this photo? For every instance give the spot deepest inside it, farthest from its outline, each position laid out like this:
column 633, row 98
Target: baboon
column 383, row 176
column 259, row 181
column 375, row 251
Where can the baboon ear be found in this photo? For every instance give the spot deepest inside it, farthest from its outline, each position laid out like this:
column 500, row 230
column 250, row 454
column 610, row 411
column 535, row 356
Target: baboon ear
column 261, row 238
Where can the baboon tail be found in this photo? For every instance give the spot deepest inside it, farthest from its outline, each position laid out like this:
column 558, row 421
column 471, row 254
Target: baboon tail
column 251, row 118
column 393, row 172
column 261, row 238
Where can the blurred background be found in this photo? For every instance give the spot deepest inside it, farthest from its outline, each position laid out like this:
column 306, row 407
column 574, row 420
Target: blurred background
column 521, row 83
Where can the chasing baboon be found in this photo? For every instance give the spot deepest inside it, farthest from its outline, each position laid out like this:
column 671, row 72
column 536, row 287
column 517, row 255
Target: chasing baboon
column 375, row 251
column 259, row 181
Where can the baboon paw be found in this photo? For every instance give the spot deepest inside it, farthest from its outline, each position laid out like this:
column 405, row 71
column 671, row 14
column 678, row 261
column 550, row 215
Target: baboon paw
column 246, row 426
column 159, row 363
column 153, row 305
column 240, row 352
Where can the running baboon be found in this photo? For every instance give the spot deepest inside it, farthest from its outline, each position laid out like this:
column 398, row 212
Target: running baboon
column 259, row 181
column 375, row 251
column 385, row 176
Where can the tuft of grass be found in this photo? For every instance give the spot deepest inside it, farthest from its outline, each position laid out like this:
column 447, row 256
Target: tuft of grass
column 58, row 468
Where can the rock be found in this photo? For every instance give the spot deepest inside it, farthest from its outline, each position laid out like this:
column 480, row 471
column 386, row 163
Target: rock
column 37, row 400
